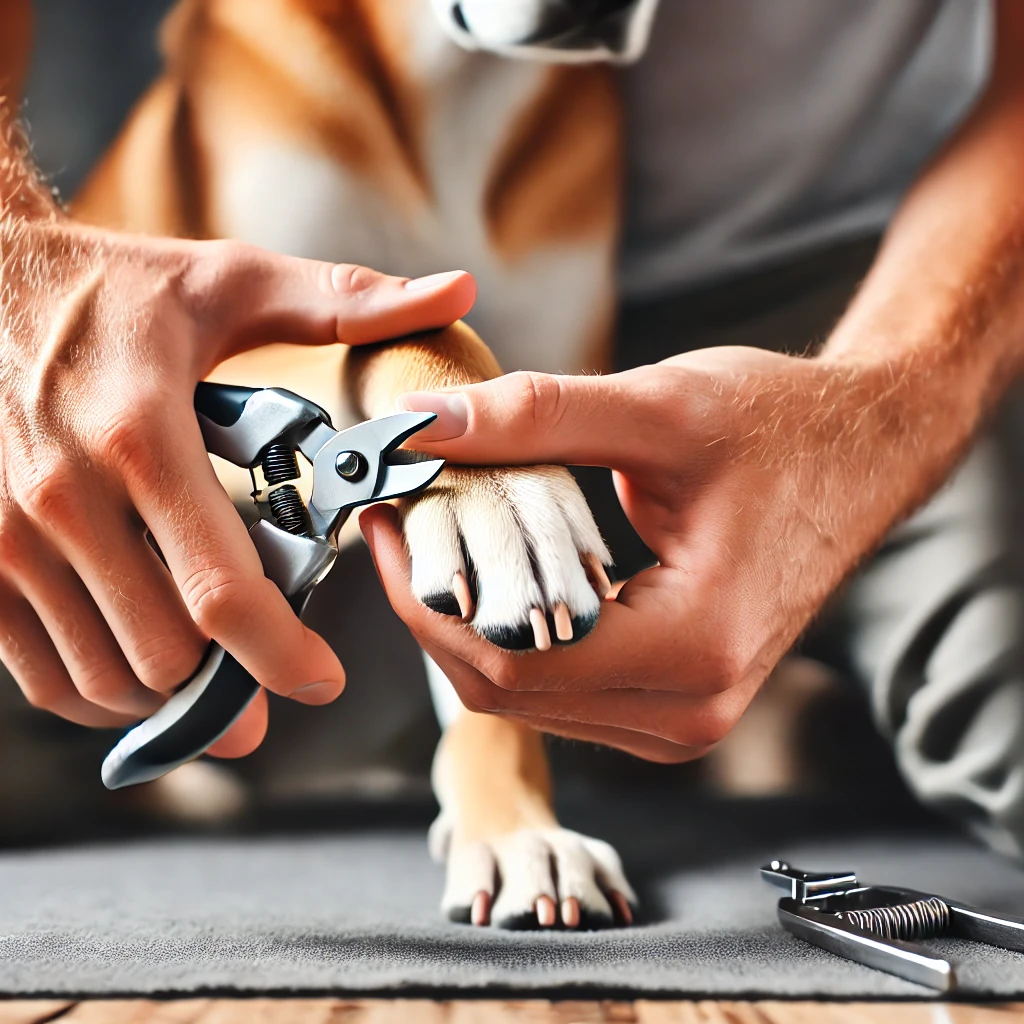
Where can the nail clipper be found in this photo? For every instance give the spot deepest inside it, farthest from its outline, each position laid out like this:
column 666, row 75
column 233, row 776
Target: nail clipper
column 876, row 925
column 266, row 429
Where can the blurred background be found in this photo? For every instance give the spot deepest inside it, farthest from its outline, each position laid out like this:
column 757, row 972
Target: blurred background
column 91, row 61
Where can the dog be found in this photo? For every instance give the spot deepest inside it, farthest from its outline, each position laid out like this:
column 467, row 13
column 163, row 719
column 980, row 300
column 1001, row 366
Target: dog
column 376, row 132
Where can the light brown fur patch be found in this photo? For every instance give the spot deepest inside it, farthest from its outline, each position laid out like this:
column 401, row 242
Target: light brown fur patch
column 535, row 195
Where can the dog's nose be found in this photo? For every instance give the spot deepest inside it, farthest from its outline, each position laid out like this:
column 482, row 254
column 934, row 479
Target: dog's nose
column 555, row 24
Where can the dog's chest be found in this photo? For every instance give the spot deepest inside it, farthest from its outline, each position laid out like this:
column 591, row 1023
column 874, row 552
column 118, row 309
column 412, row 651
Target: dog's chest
column 287, row 190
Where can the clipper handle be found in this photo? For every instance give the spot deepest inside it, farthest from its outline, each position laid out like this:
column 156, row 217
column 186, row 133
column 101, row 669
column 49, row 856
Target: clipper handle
column 189, row 723
column 236, row 423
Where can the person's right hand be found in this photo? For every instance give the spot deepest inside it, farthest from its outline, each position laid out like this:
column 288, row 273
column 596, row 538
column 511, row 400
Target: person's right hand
column 103, row 338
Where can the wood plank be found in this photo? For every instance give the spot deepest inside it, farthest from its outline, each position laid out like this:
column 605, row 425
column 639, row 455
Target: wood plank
column 470, row 1011
column 140, row 1011
column 778, row 1012
column 890, row 1013
column 31, row 1011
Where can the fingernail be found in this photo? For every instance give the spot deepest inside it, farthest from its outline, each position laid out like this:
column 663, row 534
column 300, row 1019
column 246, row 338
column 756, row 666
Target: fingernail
column 316, row 693
column 601, row 581
column 421, row 284
column 452, row 414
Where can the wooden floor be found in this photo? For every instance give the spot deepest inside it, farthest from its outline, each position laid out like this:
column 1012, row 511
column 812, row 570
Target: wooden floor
column 534, row 1011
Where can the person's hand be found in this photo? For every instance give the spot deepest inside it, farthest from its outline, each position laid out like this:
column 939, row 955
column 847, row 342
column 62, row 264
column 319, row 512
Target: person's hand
column 758, row 480
column 103, row 338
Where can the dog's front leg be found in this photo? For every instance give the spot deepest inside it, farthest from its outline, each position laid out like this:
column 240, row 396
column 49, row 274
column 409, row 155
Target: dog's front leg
column 507, row 550
column 509, row 861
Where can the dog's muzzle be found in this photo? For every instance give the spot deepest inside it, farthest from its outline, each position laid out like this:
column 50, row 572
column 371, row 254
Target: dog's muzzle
column 555, row 30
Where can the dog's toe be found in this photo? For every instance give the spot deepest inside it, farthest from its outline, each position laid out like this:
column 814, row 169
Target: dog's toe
column 470, row 885
column 538, row 878
column 514, row 551
column 438, row 566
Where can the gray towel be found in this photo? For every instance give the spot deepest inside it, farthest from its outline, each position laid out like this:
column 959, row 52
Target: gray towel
column 357, row 912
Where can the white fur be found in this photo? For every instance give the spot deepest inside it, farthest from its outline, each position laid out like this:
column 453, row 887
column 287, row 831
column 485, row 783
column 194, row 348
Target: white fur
column 432, row 534
column 503, row 517
column 498, row 26
column 447, row 705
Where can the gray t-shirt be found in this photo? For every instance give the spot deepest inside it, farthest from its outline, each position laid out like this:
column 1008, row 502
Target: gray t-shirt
column 760, row 129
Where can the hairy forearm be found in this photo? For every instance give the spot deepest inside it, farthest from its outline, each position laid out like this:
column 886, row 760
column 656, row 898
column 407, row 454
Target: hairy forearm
column 943, row 305
column 939, row 321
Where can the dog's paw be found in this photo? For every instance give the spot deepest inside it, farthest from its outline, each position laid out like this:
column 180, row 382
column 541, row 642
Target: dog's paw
column 514, row 551
column 537, row 878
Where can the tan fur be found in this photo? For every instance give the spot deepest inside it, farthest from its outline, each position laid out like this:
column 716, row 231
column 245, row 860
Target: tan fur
column 532, row 198
column 513, row 792
column 343, row 81
column 378, row 374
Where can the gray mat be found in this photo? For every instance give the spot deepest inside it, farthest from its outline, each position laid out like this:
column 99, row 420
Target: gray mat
column 357, row 912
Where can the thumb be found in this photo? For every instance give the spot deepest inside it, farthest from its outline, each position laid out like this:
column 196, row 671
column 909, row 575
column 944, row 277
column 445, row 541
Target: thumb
column 245, row 296
column 529, row 418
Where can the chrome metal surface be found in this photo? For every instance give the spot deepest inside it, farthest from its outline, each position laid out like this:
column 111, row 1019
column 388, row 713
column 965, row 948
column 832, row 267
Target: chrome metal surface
column 872, row 924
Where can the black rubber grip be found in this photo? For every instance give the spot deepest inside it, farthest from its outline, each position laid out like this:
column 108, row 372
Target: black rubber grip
column 199, row 723
column 221, row 403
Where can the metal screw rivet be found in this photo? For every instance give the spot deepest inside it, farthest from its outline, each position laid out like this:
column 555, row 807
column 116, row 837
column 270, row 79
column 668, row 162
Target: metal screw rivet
column 350, row 465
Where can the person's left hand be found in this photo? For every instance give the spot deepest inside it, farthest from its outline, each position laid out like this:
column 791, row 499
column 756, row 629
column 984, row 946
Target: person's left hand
column 758, row 480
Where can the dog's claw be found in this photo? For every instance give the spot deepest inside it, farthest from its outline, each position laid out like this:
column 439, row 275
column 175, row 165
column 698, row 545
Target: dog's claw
column 480, row 913
column 463, row 595
column 563, row 622
column 602, row 584
column 571, row 912
column 541, row 635
column 622, row 908
column 545, row 910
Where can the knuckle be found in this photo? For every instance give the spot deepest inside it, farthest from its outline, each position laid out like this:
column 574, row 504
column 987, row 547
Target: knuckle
column 506, row 676
column 478, row 695
column 676, row 754
column 50, row 492
column 131, row 442
column 723, row 669
column 541, row 396
column 353, row 278
column 210, row 270
column 165, row 662
column 224, row 258
column 41, row 696
column 216, row 598
column 101, row 683
column 704, row 730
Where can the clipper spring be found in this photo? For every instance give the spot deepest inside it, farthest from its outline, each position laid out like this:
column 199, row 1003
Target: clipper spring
column 279, row 463
column 290, row 511
column 922, row 919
